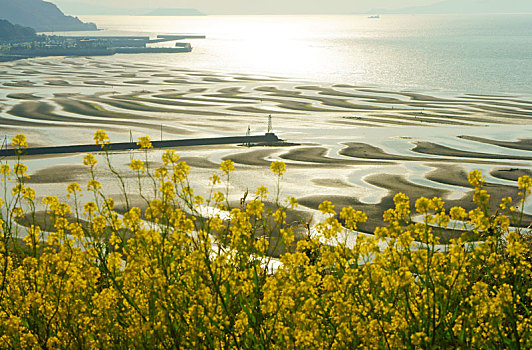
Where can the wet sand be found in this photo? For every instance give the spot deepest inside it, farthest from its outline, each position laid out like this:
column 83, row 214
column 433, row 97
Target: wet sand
column 525, row 144
column 59, row 174
column 354, row 145
column 511, row 174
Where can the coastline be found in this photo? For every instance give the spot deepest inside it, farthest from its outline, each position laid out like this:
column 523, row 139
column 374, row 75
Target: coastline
column 25, row 54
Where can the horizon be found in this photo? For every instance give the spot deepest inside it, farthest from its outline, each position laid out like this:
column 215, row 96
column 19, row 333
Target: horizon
column 295, row 7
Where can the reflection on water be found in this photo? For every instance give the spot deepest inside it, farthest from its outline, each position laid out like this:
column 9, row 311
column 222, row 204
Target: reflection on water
column 482, row 53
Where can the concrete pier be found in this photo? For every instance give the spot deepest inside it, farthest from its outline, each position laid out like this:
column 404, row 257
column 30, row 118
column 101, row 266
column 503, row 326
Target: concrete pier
column 268, row 138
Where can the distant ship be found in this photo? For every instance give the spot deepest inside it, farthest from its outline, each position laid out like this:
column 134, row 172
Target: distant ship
column 376, row 16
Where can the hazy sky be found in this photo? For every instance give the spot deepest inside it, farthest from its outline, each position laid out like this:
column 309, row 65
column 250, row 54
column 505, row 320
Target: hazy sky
column 258, row 6
column 302, row 6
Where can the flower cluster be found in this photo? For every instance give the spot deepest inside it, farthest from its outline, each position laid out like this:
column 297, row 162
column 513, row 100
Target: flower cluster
column 144, row 142
column 167, row 275
column 101, row 138
column 19, row 141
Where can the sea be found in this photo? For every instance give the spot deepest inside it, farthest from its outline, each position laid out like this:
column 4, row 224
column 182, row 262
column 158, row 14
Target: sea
column 479, row 54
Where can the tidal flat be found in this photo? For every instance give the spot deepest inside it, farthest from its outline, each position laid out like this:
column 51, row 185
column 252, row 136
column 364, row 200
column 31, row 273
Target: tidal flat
column 353, row 145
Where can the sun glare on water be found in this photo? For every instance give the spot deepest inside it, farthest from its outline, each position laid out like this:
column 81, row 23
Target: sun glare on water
column 272, row 45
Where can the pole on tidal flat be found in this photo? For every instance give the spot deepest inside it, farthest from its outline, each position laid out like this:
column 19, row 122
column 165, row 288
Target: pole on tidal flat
column 130, row 141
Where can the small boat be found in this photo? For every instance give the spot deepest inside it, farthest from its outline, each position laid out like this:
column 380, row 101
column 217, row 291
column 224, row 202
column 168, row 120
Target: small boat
column 376, row 16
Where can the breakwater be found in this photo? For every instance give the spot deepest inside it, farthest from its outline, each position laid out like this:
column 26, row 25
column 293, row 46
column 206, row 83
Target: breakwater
column 268, row 138
column 29, row 53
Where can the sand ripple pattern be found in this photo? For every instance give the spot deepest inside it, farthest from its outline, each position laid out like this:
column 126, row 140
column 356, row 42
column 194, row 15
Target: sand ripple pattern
column 356, row 144
column 111, row 92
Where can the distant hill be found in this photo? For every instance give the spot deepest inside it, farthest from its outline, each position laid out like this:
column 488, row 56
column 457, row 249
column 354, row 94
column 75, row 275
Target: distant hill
column 465, row 6
column 85, row 8
column 174, row 12
column 13, row 33
column 40, row 15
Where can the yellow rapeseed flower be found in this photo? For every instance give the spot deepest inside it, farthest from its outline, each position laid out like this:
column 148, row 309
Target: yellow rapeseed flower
column 29, row 193
column 25, row 192
column 524, row 182
column 422, row 205
column 351, row 217
column 326, row 207
column 279, row 215
column 181, row 171
column 33, row 236
column 89, row 160
column 214, row 179
column 458, row 213
column 227, row 166
column 93, row 185
column 292, row 202
column 255, row 207
column 20, row 169
column 101, row 138
column 73, row 188
column 161, row 173
column 476, row 178
column 136, row 165
column 170, row 157
column 132, row 218
column 525, row 185
column 278, row 167
column 5, row 169
column 19, row 141
column 262, row 191
column 506, row 203
column 144, row 142
column 190, row 281
column 216, row 224
column 218, row 197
